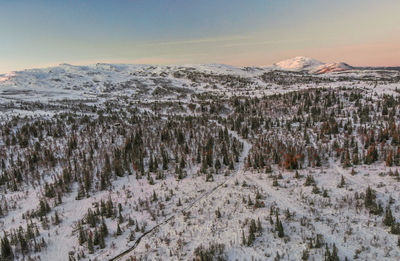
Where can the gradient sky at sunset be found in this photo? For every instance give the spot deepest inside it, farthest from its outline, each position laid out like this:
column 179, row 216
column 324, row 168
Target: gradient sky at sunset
column 255, row 32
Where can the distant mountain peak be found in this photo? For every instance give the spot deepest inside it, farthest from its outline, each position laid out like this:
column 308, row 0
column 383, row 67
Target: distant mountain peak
column 299, row 63
column 311, row 65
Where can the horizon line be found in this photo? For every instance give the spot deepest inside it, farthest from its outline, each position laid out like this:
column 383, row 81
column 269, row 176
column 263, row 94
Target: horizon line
column 132, row 62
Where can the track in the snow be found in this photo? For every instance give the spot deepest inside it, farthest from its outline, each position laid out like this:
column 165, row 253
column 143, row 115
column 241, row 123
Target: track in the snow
column 246, row 148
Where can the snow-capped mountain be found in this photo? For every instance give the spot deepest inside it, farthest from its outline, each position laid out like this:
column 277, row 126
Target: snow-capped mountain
column 311, row 65
column 299, row 63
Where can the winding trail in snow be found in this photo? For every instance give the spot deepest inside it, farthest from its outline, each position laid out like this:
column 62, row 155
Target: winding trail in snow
column 239, row 169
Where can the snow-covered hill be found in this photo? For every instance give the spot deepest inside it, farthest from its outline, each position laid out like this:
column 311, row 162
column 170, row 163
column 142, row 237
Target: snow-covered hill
column 146, row 82
column 299, row 63
column 311, row 65
column 331, row 67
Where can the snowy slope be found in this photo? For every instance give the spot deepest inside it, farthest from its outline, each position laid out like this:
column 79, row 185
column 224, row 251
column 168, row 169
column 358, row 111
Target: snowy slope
column 331, row 67
column 312, row 65
column 142, row 82
column 299, row 63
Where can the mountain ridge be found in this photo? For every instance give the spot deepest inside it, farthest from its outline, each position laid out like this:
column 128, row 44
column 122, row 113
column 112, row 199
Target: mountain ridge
column 299, row 64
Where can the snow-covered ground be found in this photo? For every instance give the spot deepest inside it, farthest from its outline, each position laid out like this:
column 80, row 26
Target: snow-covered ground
column 195, row 212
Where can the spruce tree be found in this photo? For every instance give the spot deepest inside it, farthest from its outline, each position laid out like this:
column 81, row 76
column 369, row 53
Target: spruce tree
column 334, row 256
column 318, row 241
column 119, row 231
column 91, row 218
column 103, row 209
column 154, row 197
column 90, row 245
column 103, row 228
column 369, row 198
column 243, row 239
column 96, row 238
column 6, row 250
column 102, row 244
column 259, row 227
column 56, row 218
column 388, row 219
column 251, row 237
column 82, row 235
column 279, row 227
column 252, row 230
column 109, row 208
column 342, row 183
column 22, row 241
column 327, row 253
column 218, row 213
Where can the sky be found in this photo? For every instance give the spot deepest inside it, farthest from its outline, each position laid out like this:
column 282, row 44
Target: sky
column 40, row 33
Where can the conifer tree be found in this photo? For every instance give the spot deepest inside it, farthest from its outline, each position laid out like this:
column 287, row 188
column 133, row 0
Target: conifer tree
column 56, row 218
column 369, row 198
column 90, row 245
column 154, row 197
column 22, row 241
column 279, row 226
column 6, row 250
column 318, row 241
column 109, row 208
column 243, row 239
column 388, row 219
column 81, row 193
column 82, row 235
column 259, row 227
column 96, row 238
column 218, row 213
column 102, row 244
column 334, row 256
column 252, row 230
column 342, row 183
column 251, row 238
column 103, row 228
column 119, row 231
